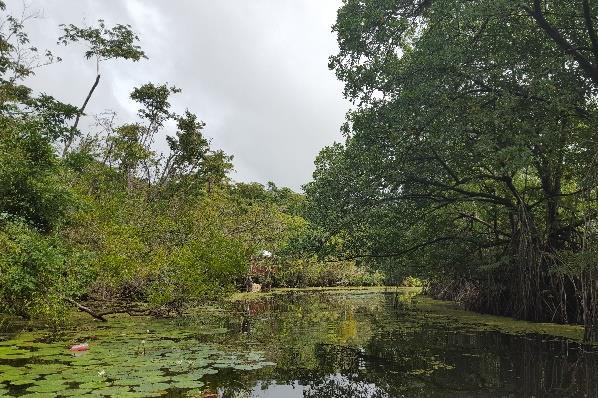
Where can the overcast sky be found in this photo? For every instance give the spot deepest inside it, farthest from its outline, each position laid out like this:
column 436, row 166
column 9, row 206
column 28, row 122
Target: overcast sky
column 254, row 70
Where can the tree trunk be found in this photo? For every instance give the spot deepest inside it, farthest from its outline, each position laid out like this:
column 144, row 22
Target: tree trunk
column 88, row 310
column 551, row 185
column 71, row 137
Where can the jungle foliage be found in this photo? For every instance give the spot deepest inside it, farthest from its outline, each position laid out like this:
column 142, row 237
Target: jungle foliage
column 470, row 159
column 93, row 216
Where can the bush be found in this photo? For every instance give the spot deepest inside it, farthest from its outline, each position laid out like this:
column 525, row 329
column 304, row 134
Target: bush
column 36, row 273
column 312, row 272
column 197, row 271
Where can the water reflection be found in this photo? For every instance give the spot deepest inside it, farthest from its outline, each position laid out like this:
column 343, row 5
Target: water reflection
column 362, row 346
column 344, row 344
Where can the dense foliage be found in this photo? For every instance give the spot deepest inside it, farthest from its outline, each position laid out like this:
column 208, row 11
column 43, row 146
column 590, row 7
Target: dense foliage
column 97, row 218
column 471, row 157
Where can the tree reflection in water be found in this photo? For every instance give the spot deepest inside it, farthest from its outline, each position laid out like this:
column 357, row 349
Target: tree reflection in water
column 359, row 345
column 338, row 386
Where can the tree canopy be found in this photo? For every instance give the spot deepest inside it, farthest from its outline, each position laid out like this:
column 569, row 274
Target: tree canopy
column 471, row 155
column 100, row 219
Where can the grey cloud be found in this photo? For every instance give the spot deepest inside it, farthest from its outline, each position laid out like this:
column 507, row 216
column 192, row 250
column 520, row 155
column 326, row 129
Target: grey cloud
column 255, row 71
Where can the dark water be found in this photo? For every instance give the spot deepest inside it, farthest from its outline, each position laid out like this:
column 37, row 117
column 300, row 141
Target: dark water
column 360, row 345
column 357, row 344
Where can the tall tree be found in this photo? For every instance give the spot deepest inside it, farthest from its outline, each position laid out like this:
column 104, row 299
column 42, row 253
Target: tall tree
column 103, row 43
column 472, row 138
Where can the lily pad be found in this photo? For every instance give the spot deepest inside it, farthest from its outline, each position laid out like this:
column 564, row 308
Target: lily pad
column 94, row 385
column 152, row 387
column 187, row 384
column 47, row 386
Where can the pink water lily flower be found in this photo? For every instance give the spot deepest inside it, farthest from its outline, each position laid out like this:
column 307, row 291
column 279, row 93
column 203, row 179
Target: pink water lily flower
column 80, row 347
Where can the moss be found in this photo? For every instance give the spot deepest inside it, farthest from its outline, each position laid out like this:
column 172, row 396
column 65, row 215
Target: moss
column 452, row 312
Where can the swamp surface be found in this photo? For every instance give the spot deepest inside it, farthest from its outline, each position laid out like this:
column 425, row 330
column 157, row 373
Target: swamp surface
column 365, row 343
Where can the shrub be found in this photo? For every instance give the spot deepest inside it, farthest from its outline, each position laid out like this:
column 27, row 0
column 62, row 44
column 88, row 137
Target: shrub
column 36, row 273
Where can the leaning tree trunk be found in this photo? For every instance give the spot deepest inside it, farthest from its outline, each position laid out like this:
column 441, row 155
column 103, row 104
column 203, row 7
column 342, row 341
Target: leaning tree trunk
column 69, row 140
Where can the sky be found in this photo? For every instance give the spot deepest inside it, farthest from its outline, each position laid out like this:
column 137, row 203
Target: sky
column 255, row 71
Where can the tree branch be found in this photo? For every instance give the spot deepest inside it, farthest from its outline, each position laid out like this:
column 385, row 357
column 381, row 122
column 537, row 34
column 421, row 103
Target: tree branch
column 81, row 307
column 587, row 14
column 536, row 13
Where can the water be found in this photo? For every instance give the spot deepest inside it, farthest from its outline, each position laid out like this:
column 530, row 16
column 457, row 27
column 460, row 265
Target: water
column 337, row 344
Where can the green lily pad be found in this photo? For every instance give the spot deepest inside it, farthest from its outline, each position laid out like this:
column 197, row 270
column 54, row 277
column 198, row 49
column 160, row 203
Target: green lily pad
column 152, row 387
column 75, row 392
column 133, row 381
column 23, row 382
column 45, row 369
column 48, row 386
column 187, row 384
column 111, row 391
column 247, row 367
column 94, row 385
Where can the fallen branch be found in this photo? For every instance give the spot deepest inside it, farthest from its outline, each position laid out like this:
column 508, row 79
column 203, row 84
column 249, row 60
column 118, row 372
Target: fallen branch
column 81, row 307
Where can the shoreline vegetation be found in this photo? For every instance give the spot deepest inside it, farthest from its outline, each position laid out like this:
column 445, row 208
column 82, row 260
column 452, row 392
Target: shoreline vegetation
column 491, row 196
column 470, row 158
column 467, row 172
column 94, row 215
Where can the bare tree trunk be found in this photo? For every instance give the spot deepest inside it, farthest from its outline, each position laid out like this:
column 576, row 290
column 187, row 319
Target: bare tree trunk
column 71, row 136
column 83, row 308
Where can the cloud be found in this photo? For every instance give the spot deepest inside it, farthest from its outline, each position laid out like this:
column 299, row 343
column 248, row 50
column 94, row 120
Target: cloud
column 255, row 71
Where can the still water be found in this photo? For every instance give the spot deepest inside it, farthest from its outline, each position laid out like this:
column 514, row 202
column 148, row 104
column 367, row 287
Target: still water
column 361, row 344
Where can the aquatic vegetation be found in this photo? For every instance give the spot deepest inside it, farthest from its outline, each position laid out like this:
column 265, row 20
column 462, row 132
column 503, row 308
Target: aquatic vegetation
column 450, row 312
column 299, row 343
column 124, row 359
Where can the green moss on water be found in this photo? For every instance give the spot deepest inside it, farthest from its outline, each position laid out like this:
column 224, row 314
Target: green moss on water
column 451, row 313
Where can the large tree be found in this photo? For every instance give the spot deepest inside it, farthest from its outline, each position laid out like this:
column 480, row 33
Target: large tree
column 471, row 148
